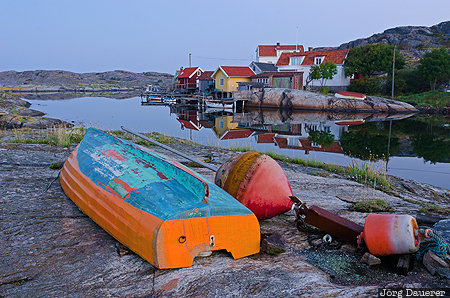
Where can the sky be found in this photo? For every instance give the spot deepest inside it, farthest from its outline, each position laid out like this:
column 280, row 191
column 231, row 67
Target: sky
column 139, row 36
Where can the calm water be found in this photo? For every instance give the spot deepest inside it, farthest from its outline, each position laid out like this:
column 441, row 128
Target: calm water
column 419, row 147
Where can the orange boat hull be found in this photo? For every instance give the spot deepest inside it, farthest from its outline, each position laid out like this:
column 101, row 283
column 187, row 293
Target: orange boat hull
column 164, row 243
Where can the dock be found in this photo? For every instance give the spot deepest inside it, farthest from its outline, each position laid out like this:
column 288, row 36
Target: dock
column 201, row 101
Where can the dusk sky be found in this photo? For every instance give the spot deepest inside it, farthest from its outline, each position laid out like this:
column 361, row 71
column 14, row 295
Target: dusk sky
column 101, row 35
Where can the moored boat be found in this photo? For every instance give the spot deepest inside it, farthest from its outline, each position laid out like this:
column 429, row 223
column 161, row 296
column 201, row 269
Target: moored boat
column 162, row 210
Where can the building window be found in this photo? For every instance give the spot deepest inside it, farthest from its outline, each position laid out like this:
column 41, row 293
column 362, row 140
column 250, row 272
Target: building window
column 199, row 73
column 318, row 60
column 221, row 124
column 221, row 82
column 295, row 61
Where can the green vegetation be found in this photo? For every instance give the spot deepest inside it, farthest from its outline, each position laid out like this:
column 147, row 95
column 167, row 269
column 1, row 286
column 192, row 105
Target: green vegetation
column 241, row 149
column 192, row 164
column 56, row 165
column 367, row 145
column 436, row 98
column 434, row 66
column 371, row 206
column 370, row 86
column 371, row 59
column 364, row 173
column 61, row 136
column 431, row 147
column 323, row 72
column 430, row 208
column 323, row 138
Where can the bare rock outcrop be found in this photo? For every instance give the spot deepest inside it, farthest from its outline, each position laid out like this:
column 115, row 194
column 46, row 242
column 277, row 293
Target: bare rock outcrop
column 299, row 99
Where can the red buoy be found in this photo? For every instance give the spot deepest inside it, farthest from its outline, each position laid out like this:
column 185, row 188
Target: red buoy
column 258, row 182
column 390, row 234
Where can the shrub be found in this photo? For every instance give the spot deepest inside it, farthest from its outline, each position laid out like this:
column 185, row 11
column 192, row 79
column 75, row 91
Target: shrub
column 371, row 86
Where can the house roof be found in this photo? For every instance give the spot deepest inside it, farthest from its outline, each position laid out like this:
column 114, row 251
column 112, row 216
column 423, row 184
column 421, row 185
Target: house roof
column 337, row 57
column 264, row 67
column 306, row 145
column 277, row 74
column 237, row 134
column 206, row 76
column 271, row 50
column 189, row 124
column 188, row 72
column 236, row 71
column 265, row 138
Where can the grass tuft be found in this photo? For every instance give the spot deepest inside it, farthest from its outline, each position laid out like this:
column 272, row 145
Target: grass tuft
column 371, row 206
column 364, row 173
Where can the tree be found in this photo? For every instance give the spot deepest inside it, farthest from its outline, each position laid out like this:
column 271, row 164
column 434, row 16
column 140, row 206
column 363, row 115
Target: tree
column 432, row 148
column 370, row 59
column 435, row 66
column 321, row 137
column 314, row 74
column 322, row 72
column 367, row 145
column 327, row 71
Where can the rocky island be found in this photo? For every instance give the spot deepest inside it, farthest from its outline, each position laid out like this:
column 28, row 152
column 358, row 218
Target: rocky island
column 61, row 80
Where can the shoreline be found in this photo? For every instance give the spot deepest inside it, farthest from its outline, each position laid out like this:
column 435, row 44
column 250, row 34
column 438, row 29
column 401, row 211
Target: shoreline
column 51, row 232
column 24, row 119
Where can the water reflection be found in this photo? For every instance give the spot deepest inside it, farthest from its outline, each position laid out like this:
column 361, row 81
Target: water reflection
column 419, row 146
column 297, row 130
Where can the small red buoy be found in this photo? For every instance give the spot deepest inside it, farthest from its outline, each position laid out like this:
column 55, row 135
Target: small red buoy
column 390, row 234
column 258, row 182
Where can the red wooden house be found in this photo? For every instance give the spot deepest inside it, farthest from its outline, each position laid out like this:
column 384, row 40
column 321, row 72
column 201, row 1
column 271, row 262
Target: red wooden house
column 188, row 78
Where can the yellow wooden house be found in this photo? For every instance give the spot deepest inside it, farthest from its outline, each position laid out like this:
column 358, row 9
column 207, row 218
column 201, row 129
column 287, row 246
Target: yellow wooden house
column 227, row 77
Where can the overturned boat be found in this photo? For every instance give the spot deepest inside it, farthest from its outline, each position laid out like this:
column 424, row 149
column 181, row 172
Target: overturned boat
column 160, row 209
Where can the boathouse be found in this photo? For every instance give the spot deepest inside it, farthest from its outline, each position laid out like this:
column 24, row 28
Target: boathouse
column 187, row 79
column 228, row 77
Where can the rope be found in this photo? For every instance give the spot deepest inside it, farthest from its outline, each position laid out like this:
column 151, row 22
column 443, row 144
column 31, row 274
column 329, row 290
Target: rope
column 50, row 184
column 434, row 242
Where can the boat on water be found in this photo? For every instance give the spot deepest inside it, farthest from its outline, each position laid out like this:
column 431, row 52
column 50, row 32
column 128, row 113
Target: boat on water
column 157, row 207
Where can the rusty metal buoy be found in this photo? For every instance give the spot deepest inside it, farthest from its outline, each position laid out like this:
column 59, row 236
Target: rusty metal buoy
column 390, row 234
column 258, row 182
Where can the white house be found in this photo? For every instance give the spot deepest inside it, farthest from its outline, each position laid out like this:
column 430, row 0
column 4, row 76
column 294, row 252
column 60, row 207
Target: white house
column 302, row 61
column 271, row 53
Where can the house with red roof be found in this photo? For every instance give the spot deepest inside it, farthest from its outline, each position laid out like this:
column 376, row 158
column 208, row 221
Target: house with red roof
column 303, row 61
column 271, row 53
column 187, row 78
column 228, row 77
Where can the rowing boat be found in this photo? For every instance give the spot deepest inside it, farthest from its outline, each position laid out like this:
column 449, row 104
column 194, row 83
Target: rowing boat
column 160, row 209
column 350, row 95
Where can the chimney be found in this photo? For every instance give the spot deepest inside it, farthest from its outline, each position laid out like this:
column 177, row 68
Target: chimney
column 278, row 45
column 310, row 49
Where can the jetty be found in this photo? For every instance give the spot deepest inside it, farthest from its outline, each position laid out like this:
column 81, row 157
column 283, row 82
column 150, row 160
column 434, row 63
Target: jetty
column 201, row 101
